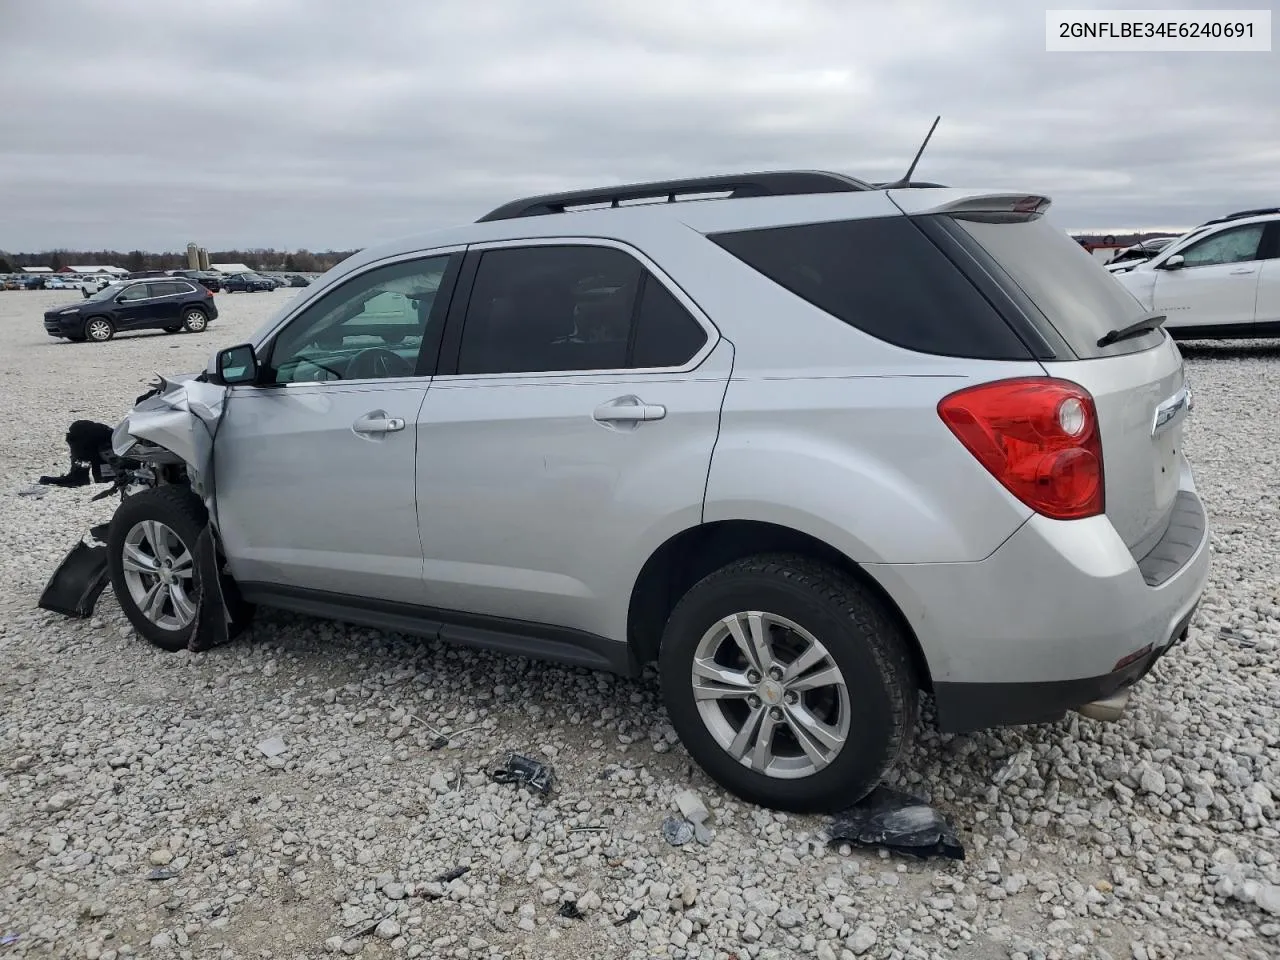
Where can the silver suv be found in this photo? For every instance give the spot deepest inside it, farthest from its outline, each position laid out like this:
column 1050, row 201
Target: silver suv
column 813, row 446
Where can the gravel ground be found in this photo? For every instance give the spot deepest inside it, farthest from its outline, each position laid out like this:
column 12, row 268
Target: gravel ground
column 1152, row 838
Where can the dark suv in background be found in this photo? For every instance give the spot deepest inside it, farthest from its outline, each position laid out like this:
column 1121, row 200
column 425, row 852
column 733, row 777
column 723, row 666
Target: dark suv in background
column 247, row 283
column 171, row 304
column 208, row 278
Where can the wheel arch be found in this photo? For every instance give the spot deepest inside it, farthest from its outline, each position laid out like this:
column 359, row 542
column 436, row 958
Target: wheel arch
column 688, row 556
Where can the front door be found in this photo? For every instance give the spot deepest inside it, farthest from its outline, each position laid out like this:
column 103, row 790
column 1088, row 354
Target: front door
column 315, row 465
column 570, row 427
column 1217, row 284
column 135, row 306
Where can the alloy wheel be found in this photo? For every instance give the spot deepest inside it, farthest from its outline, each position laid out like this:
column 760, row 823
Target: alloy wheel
column 771, row 694
column 99, row 330
column 159, row 572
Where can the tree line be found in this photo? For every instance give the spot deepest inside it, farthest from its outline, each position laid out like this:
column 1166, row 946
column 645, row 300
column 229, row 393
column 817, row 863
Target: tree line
column 258, row 258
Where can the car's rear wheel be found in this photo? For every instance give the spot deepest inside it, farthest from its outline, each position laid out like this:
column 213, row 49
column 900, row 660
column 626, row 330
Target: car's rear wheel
column 152, row 560
column 195, row 320
column 99, row 329
column 788, row 682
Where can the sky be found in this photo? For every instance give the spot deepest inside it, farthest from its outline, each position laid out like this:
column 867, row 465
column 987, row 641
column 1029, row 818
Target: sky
column 332, row 124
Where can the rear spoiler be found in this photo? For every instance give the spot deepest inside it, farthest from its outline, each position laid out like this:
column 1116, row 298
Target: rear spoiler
column 952, row 201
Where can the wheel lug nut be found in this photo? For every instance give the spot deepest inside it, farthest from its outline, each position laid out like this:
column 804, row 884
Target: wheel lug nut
column 792, row 697
column 753, row 701
column 775, row 673
column 753, row 677
column 776, row 713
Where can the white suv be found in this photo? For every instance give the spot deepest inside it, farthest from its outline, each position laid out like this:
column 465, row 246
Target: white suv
column 1221, row 280
column 812, row 446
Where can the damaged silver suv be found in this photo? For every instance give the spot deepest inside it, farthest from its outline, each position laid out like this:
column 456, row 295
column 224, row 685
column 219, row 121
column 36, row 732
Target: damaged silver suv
column 813, row 446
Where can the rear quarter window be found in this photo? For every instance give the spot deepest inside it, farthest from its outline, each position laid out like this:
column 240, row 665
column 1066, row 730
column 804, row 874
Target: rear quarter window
column 886, row 278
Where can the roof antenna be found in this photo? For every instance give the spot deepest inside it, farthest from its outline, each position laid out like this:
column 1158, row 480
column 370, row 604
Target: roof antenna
column 906, row 180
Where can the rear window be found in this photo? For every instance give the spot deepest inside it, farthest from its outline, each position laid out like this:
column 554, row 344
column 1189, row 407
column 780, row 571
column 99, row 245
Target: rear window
column 1075, row 293
column 884, row 277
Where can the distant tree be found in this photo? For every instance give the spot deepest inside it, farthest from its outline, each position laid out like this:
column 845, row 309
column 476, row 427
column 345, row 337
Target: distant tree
column 55, row 260
column 5, row 266
column 136, row 261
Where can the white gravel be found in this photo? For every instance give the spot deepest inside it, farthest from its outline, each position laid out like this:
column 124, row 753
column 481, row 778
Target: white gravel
column 1149, row 839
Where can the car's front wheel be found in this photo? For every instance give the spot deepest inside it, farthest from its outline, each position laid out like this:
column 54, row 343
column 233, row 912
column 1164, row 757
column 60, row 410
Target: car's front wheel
column 99, row 330
column 195, row 320
column 151, row 557
column 788, row 682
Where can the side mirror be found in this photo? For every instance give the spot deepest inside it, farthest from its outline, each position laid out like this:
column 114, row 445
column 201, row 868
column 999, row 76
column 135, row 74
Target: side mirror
column 1176, row 262
column 236, row 365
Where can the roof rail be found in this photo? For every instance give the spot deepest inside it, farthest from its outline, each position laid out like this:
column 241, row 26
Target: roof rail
column 1241, row 214
column 774, row 183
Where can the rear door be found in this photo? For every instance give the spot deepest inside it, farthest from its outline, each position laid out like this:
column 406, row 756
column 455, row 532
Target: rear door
column 167, row 301
column 569, row 428
column 1217, row 285
column 315, row 466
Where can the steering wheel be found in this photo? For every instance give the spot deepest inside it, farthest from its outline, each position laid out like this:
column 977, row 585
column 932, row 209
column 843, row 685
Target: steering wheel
column 377, row 363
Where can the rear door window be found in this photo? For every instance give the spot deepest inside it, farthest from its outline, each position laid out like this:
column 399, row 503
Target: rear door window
column 883, row 276
column 572, row 308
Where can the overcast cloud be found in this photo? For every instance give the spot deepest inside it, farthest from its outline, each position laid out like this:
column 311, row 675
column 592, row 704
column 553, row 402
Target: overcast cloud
column 334, row 123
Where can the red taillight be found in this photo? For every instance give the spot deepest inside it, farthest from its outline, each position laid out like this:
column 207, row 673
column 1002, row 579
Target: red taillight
column 1039, row 437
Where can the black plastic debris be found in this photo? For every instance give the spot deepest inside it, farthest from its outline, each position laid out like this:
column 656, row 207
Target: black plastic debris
column 677, row 830
column 438, row 743
column 451, row 875
column 525, row 772
column 899, row 822
column 162, row 873
column 569, row 910
column 80, row 578
column 631, row 915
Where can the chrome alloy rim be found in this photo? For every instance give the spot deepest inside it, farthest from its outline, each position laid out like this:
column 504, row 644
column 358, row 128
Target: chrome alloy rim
column 159, row 571
column 771, row 694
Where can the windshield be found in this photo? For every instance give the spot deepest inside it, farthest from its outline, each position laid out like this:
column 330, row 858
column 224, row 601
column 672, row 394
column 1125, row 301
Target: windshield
column 107, row 292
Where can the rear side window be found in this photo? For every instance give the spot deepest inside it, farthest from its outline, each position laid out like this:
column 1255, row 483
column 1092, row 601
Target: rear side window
column 560, row 309
column 884, row 277
column 1074, row 292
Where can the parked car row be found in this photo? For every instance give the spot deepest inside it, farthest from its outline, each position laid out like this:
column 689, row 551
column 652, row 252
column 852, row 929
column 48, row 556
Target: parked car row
column 91, row 284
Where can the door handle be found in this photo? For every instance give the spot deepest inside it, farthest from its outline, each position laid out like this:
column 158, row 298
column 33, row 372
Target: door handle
column 628, row 409
column 377, row 422
column 1241, row 273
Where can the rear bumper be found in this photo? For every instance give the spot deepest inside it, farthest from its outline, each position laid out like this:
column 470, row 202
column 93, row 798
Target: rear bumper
column 1060, row 615
column 963, row 707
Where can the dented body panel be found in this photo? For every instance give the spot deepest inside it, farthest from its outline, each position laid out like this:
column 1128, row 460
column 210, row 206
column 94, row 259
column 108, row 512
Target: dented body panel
column 177, row 423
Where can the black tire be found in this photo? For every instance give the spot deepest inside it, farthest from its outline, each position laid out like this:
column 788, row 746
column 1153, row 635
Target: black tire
column 173, row 329
column 99, row 329
column 183, row 513
column 865, row 643
column 76, row 338
column 195, row 320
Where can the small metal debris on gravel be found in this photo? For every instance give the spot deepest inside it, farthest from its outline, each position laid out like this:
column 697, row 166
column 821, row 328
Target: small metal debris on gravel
column 677, row 830
column 163, row 873
column 451, row 875
column 525, row 771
